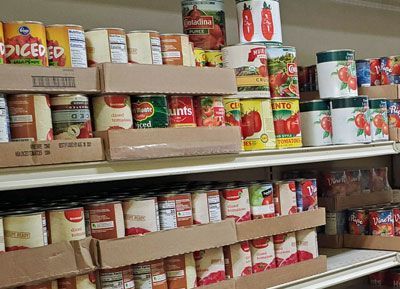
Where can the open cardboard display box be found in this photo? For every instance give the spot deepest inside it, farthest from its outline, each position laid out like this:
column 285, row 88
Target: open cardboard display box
column 372, row 242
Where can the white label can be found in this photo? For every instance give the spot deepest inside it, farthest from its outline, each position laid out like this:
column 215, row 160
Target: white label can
column 307, row 244
column 206, row 206
column 379, row 119
column 144, row 47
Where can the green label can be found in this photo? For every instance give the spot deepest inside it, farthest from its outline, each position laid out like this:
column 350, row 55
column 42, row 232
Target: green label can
column 150, row 111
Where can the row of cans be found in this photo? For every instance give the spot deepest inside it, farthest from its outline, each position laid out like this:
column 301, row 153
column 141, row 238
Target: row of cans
column 378, row 71
column 86, row 281
column 389, row 278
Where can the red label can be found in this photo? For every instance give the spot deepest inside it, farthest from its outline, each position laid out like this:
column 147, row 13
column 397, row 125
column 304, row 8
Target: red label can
column 375, row 70
column 285, row 198
column 238, row 260
column 396, row 219
column 381, row 222
column 66, row 224
column 206, row 206
column 181, row 272
column 210, row 111
column 235, row 203
column 285, row 249
column 307, row 194
column 262, row 254
column 181, row 111
column 47, row 285
column 87, row 281
column 175, row 211
column 358, row 222
column 141, row 216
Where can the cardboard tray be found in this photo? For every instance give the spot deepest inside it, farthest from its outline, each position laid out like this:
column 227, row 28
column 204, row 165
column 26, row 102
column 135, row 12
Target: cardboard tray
column 24, row 78
column 372, row 242
column 381, row 91
column 166, row 79
column 137, row 144
column 47, row 263
column 340, row 203
column 330, row 241
column 19, row 154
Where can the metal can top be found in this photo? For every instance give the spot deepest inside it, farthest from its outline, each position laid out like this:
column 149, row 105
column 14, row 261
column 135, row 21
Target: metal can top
column 22, row 22
column 29, row 94
column 284, row 47
column 315, row 105
column 69, row 95
column 283, row 98
column 143, row 31
column 64, row 25
column 174, row 34
column 108, row 28
column 103, row 202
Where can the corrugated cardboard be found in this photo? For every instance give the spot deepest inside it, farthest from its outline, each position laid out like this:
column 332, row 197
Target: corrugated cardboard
column 372, row 242
column 25, row 78
column 166, row 79
column 159, row 245
column 19, row 154
column 340, row 203
column 330, row 241
column 136, row 144
column 381, row 91
column 273, row 226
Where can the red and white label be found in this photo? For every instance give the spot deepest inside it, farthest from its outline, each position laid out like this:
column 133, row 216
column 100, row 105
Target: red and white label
column 181, row 111
column 285, row 249
column 141, row 216
column 396, row 217
column 150, row 275
column 120, row 278
column 237, row 260
column 285, row 198
column 210, row 266
column 175, row 211
column 307, row 244
column 181, row 272
column 206, row 207
column 235, row 203
column 262, row 254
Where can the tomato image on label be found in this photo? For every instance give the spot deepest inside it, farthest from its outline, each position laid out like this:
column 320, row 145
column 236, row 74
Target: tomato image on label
column 248, row 23
column 56, row 53
column 361, row 123
column 343, row 72
column 326, row 124
column 267, row 22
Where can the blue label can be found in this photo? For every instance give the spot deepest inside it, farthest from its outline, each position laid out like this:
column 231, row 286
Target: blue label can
column 363, row 73
column 4, row 120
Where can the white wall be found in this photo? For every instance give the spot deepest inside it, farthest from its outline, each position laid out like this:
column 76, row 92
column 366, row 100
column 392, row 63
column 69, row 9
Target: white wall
column 310, row 25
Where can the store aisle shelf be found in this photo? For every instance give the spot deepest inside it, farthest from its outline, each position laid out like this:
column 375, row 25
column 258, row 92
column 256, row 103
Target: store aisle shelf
column 345, row 265
column 47, row 176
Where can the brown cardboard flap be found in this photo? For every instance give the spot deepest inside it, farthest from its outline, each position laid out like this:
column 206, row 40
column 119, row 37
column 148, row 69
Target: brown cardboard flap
column 158, row 245
column 340, row 203
column 381, row 91
column 330, row 241
column 372, row 242
column 19, row 154
column 278, row 225
column 25, row 78
column 136, row 144
column 83, row 255
column 166, row 79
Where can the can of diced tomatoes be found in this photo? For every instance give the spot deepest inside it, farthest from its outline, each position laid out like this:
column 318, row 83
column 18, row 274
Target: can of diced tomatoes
column 200, row 57
column 144, row 47
column 175, row 49
column 237, row 260
column 206, row 206
column 30, row 117
column 285, row 249
column 112, row 112
column 235, row 203
column 2, row 46
column 379, row 119
column 282, row 70
column 262, row 254
column 71, row 116
column 232, row 111
column 285, row 198
column 105, row 220
column 214, row 58
column 381, row 222
column 106, row 45
column 210, row 266
column 259, row 21
column 141, row 216
column 396, row 220
column 286, row 113
column 150, row 275
column 337, row 73
column 87, row 281
column 24, row 230
column 257, row 124
column 175, row 210
column 181, row 111
column 357, row 221
column 316, row 122
column 4, row 120
column 25, row 43
column 66, row 45
column 120, row 278
column 261, row 200
column 351, row 120
column 250, row 65
column 210, row 111
column 394, row 119
column 46, row 285
column 390, row 70
column 150, row 111
column 307, row 244
column 66, row 224
column 306, row 194
column 368, row 72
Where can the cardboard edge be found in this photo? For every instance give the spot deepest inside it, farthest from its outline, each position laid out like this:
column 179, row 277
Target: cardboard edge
column 330, row 241
column 84, row 255
column 372, row 242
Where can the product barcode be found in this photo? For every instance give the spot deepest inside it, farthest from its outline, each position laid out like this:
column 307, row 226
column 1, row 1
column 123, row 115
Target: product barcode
column 53, row 81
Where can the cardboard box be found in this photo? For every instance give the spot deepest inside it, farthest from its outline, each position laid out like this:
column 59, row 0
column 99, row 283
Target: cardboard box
column 381, row 91
column 43, row 264
column 309, row 95
column 166, row 79
column 372, row 242
column 330, row 241
column 20, row 154
column 136, row 144
column 340, row 203
column 273, row 226
column 25, row 78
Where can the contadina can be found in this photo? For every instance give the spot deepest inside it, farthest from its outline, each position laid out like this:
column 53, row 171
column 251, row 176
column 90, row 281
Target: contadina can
column 390, row 70
column 259, row 21
column 66, row 45
column 337, row 75
column 176, row 49
column 106, row 45
column 287, row 125
column 150, row 111
column 71, row 116
column 368, row 72
column 25, row 43
column 250, row 65
column 4, row 120
column 257, row 124
column 379, row 119
column 316, row 123
column 350, row 120
column 30, row 117
column 144, row 47
column 282, row 70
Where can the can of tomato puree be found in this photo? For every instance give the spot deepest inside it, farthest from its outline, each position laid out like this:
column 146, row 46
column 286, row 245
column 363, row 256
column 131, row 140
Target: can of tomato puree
column 4, row 120
column 71, row 116
column 210, row 111
column 150, row 275
column 30, row 117
column 237, row 260
column 141, row 216
column 2, row 46
column 206, row 206
column 181, row 111
column 316, row 123
column 337, row 74
column 176, row 49
column 120, row 278
column 259, row 21
column 106, row 45
column 144, row 47
column 87, row 281
column 66, row 45
column 379, row 119
column 250, row 65
column 285, row 249
column 285, row 198
column 368, row 72
column 262, row 254
column 307, row 244
column 210, row 266
column 112, row 112
column 286, row 114
column 25, row 43
column 235, row 204
column 46, row 285
column 350, row 120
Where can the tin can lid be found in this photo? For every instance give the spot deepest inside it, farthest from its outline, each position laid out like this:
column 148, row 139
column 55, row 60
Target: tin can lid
column 64, row 25
column 29, row 94
column 69, row 95
column 106, row 28
column 22, row 22
column 143, row 31
column 174, row 34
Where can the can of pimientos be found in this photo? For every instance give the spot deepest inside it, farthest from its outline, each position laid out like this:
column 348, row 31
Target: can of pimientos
column 176, row 49
column 282, row 70
column 316, row 122
column 394, row 119
column 210, row 111
column 337, row 73
column 71, row 116
column 390, row 70
column 368, row 72
column 259, row 21
column 112, row 112
column 261, row 200
column 150, row 111
column 379, row 119
column 232, row 111
column 144, row 47
column 350, row 120
column 250, row 65
column 4, row 120
column 120, row 278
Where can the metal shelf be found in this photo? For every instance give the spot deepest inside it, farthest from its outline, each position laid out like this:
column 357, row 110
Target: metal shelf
column 345, row 265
